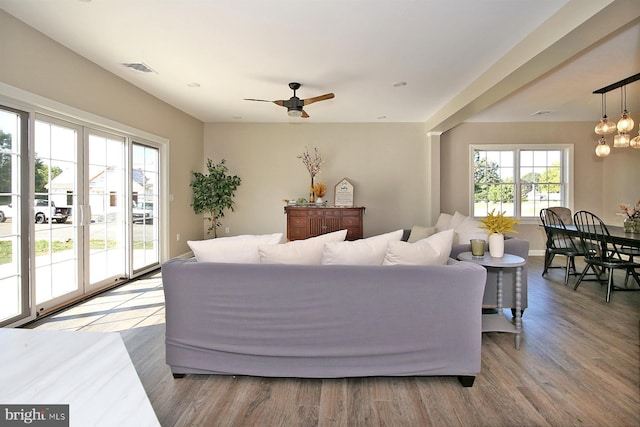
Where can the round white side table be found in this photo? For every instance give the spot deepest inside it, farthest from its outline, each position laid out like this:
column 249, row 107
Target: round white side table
column 498, row 322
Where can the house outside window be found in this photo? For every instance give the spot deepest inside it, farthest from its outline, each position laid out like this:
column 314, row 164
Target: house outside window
column 520, row 180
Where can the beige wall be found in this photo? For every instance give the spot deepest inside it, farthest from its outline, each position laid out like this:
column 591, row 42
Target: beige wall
column 600, row 183
column 32, row 62
column 385, row 163
column 389, row 163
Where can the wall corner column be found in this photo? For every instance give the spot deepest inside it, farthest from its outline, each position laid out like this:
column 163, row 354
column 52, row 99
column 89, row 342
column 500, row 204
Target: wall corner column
column 432, row 166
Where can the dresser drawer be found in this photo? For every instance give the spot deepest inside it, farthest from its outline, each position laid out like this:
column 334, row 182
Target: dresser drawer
column 350, row 221
column 298, row 221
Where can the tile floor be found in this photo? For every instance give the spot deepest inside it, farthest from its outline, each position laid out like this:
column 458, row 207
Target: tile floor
column 133, row 305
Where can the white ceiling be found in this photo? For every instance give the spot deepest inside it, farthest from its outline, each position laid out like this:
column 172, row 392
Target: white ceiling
column 473, row 60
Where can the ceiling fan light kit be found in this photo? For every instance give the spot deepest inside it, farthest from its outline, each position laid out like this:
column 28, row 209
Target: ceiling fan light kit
column 294, row 105
column 624, row 125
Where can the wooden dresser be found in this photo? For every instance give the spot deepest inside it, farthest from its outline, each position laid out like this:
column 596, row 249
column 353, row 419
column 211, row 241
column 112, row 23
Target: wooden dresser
column 304, row 222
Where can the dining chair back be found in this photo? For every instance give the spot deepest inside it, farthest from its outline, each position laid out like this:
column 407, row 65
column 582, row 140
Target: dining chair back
column 565, row 214
column 559, row 242
column 600, row 251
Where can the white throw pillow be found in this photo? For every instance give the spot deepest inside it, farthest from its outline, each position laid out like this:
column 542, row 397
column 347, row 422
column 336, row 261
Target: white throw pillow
column 434, row 250
column 469, row 229
column 369, row 251
column 418, row 233
column 456, row 220
column 443, row 222
column 236, row 249
column 308, row 251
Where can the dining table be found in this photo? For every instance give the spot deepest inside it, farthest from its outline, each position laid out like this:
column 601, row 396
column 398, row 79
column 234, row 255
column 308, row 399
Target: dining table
column 616, row 235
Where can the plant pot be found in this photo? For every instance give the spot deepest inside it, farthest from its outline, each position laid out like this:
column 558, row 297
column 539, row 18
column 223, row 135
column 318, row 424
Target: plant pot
column 496, row 245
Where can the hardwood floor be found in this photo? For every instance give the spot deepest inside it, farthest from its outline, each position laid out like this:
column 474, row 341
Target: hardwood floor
column 579, row 364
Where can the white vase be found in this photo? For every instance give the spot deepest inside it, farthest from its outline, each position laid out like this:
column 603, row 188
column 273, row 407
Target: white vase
column 319, row 201
column 496, row 245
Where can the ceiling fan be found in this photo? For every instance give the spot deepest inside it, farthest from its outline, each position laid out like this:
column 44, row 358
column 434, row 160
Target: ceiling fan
column 294, row 104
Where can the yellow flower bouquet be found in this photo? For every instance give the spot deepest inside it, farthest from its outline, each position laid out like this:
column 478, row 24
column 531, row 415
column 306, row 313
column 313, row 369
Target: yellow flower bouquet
column 498, row 223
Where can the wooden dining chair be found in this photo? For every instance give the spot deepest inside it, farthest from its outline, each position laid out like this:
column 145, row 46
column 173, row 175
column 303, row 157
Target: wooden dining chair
column 600, row 252
column 631, row 253
column 559, row 242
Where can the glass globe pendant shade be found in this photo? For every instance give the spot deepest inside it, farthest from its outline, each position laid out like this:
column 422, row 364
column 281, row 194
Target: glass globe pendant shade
column 605, row 127
column 625, row 124
column 602, row 149
column 635, row 142
column 621, row 140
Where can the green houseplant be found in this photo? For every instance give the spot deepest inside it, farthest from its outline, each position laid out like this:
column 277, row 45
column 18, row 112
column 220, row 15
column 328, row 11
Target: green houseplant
column 214, row 192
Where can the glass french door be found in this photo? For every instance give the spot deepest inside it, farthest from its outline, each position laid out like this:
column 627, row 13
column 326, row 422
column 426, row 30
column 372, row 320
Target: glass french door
column 57, row 248
column 145, row 227
column 14, row 284
column 106, row 243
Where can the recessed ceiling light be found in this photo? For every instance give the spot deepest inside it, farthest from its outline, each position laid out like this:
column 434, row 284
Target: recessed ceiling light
column 542, row 113
column 399, row 84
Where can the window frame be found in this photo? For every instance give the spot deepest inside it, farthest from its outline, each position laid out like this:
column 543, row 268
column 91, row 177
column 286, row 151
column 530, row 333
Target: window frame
column 567, row 172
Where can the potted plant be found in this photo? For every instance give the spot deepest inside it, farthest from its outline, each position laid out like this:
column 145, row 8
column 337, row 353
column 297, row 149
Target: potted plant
column 632, row 217
column 213, row 193
column 498, row 224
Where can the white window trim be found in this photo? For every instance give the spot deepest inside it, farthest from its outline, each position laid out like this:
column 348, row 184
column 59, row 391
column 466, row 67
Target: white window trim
column 567, row 167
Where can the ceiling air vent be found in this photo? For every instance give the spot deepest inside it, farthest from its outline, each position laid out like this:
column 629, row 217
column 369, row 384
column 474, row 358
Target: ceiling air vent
column 139, row 66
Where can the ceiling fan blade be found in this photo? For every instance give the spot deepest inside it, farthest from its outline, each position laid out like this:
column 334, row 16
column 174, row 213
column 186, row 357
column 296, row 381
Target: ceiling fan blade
column 318, row 98
column 279, row 102
column 304, row 115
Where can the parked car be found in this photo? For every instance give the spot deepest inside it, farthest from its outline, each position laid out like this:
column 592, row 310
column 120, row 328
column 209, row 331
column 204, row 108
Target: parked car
column 143, row 213
column 6, row 211
column 45, row 210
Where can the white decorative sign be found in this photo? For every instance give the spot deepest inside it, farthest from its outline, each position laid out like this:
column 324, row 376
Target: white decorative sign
column 343, row 193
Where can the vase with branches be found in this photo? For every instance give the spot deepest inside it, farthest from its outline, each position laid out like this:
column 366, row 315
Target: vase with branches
column 312, row 163
column 632, row 217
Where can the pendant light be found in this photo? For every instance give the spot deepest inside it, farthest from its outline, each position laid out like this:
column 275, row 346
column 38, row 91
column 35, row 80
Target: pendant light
column 625, row 124
column 635, row 142
column 605, row 127
column 621, row 140
column 602, row 149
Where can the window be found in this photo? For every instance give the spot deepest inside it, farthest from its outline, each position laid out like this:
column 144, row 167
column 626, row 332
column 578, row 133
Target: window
column 520, row 180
